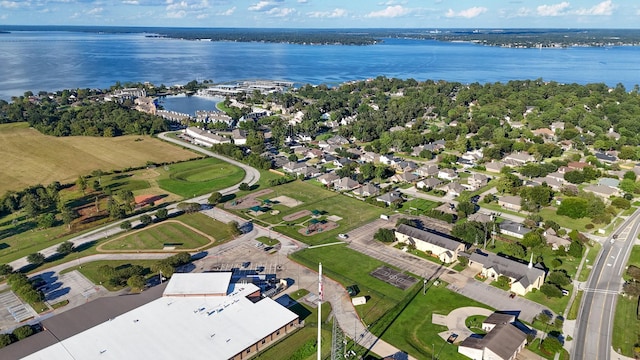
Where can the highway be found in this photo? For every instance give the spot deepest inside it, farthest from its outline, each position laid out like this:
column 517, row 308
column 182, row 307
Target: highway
column 594, row 325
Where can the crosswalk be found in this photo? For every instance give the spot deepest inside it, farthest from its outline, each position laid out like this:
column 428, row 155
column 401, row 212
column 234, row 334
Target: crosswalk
column 14, row 306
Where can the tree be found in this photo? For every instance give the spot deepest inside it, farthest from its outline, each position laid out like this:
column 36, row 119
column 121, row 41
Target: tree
column 65, row 248
column 621, row 203
column 508, row 183
column 503, row 282
column 630, row 175
column 385, row 235
column 46, row 221
column 573, row 207
column 5, row 269
column 575, row 249
column 136, row 282
column 234, row 228
column 215, row 198
column 559, row 278
column 551, row 291
column 532, row 239
column 68, row 215
column 574, row 177
column 244, row 187
column 145, row 219
column 551, row 344
column 81, row 183
column 125, row 225
column 23, row 332
column 35, row 259
column 189, row 207
column 6, row 340
column 466, row 208
column 162, row 214
column 628, row 186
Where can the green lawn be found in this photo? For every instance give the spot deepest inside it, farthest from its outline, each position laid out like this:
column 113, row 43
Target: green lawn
column 567, row 222
column 157, row 237
column 588, row 263
column 626, row 326
column 535, row 347
column 575, row 306
column 206, row 224
column 418, row 205
column 350, row 267
column 413, row 331
column 268, row 241
column 557, row 305
column 199, row 177
column 353, row 212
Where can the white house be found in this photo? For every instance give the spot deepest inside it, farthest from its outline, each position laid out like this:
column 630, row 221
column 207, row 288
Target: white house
column 445, row 248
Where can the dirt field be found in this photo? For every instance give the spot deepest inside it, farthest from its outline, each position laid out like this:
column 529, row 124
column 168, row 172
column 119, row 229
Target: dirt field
column 30, row 158
column 297, row 215
column 248, row 201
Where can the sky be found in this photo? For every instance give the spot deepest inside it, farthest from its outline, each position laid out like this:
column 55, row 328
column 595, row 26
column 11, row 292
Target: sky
column 326, row 13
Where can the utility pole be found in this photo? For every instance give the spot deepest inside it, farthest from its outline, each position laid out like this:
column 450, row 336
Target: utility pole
column 320, row 295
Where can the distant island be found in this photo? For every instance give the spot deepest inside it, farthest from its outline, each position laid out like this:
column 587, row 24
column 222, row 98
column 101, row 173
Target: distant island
column 514, row 38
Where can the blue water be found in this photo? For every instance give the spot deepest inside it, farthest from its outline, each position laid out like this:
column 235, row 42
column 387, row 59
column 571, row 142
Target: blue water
column 188, row 104
column 38, row 60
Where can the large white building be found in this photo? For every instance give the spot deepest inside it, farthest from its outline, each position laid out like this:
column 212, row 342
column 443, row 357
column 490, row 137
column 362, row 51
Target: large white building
column 199, row 316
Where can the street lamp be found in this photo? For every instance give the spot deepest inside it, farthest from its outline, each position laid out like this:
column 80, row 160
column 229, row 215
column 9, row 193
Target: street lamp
column 424, row 286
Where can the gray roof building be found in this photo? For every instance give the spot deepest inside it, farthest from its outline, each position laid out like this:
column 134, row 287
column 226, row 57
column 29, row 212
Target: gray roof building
column 433, row 238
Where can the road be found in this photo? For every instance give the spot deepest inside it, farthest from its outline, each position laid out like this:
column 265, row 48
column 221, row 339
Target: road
column 594, row 325
column 251, row 177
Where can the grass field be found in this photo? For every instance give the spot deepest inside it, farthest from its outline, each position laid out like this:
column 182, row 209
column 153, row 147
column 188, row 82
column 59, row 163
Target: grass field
column 626, row 326
column 588, row 262
column 65, row 158
column 349, row 267
column 199, row 177
column 575, row 306
column 413, row 331
column 353, row 212
column 167, row 233
column 567, row 222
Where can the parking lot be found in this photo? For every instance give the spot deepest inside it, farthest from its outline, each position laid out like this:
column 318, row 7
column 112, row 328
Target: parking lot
column 13, row 311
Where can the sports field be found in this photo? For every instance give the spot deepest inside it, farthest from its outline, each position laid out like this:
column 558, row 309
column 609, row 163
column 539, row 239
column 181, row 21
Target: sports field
column 171, row 235
column 30, row 158
column 199, row 177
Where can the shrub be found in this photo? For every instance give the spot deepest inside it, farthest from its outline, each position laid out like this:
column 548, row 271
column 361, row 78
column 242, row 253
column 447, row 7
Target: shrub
column 35, row 259
column 589, row 226
column 385, row 235
column 23, row 332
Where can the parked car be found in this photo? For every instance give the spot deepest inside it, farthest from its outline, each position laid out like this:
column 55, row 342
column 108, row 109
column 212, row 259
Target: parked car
column 512, row 295
column 343, row 236
column 452, row 338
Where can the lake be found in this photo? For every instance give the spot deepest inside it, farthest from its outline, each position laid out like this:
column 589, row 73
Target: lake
column 55, row 60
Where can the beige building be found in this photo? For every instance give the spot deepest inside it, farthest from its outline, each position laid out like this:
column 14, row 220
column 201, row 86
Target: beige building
column 446, row 249
column 522, row 277
column 503, row 340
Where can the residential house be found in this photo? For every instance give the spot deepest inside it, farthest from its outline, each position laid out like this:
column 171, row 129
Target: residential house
column 610, row 182
column 345, row 184
column 503, row 341
column 390, row 197
column 510, row 202
column 518, row 158
column 553, row 183
column 577, row 165
column 523, row 278
column 474, row 156
column 494, row 166
column 480, row 217
column 558, row 176
column 558, row 125
column 239, row 136
column 605, row 192
column 545, row 133
column 341, row 162
column 606, row 158
column 613, row 135
column 554, row 240
column 513, row 229
column 367, row 190
column 370, row 157
column 447, row 174
column 428, row 184
column 453, row 188
column 337, row 140
column 439, row 245
column 204, row 137
column 476, row 181
column 314, row 154
column 428, row 170
column 405, row 177
column 328, row 178
column 301, row 150
column 447, row 208
column 293, row 167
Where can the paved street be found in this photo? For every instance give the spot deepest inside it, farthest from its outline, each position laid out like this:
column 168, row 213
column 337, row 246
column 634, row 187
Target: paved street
column 594, row 325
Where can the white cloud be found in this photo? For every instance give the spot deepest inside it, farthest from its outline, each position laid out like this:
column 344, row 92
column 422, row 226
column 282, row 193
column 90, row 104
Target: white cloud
column 280, row 12
column 172, row 7
column 202, row 16
column 552, row 10
column 303, row 1
column 95, row 11
column 176, row 14
column 10, row 4
column 389, row 12
column 131, row 2
column 467, row 13
column 335, row 13
column 262, row 6
column 603, row 8
column 227, row 12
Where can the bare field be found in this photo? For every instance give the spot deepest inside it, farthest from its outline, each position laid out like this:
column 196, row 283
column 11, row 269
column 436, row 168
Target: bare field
column 30, row 158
